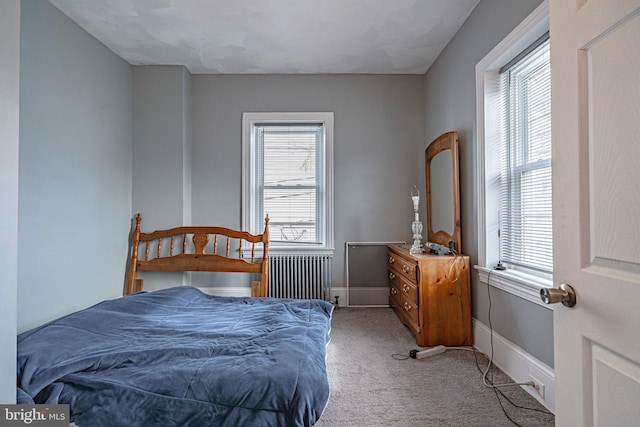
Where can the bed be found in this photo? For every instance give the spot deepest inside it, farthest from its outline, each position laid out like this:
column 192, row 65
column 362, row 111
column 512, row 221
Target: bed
column 180, row 357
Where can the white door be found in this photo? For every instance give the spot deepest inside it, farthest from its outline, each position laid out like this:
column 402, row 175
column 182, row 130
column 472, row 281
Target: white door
column 595, row 71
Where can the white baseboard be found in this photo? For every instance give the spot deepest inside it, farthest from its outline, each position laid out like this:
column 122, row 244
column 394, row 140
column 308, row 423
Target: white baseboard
column 227, row 292
column 368, row 296
column 341, row 293
column 517, row 363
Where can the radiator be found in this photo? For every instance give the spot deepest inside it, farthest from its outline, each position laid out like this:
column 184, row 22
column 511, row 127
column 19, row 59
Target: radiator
column 300, row 276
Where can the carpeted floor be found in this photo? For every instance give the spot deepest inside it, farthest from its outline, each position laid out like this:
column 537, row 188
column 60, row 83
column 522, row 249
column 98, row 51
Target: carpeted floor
column 369, row 387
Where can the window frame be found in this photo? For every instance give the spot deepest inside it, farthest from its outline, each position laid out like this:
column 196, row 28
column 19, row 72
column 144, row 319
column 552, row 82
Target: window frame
column 488, row 116
column 325, row 229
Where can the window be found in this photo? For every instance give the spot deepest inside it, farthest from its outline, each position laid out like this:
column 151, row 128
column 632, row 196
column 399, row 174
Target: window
column 513, row 125
column 287, row 174
column 525, row 161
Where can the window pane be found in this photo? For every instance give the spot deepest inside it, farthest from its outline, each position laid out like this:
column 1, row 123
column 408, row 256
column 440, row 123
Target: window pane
column 292, row 214
column 289, row 180
column 289, row 157
column 526, row 237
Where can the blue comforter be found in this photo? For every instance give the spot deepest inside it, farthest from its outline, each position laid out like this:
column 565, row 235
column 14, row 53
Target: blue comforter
column 178, row 357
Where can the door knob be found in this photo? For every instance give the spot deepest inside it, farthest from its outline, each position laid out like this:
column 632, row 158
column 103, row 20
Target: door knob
column 565, row 294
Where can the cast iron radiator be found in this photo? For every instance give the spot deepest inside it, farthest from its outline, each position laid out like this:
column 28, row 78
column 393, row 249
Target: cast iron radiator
column 306, row 276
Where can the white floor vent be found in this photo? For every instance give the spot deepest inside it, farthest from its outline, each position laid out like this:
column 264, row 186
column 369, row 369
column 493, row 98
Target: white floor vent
column 367, row 274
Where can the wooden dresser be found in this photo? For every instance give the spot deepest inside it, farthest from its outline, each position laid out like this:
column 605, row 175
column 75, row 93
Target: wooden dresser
column 430, row 294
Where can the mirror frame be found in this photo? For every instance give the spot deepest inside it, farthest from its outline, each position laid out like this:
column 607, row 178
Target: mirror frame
column 447, row 141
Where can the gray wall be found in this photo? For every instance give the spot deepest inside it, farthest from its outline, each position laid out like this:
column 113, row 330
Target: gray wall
column 9, row 134
column 75, row 167
column 450, row 105
column 161, row 150
column 378, row 140
column 162, row 154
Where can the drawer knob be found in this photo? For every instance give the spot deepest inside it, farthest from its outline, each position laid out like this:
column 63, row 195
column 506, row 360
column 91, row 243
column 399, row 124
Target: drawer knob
column 405, row 269
column 392, row 276
column 393, row 291
column 407, row 306
column 391, row 260
column 405, row 288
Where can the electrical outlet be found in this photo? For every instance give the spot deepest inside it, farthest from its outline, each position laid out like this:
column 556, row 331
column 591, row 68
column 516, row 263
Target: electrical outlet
column 537, row 385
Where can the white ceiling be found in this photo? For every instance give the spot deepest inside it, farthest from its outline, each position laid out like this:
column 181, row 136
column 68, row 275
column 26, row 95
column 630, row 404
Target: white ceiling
column 274, row 36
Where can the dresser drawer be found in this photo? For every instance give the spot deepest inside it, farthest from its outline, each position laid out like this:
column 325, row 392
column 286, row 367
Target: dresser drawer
column 406, row 311
column 401, row 286
column 409, row 311
column 402, row 266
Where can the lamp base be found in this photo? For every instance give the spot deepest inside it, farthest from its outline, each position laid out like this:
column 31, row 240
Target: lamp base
column 417, row 248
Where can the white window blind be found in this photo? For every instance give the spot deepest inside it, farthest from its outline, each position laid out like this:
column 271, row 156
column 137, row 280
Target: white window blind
column 289, row 165
column 525, row 156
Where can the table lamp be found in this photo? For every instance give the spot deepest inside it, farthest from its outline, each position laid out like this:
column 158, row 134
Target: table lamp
column 416, row 225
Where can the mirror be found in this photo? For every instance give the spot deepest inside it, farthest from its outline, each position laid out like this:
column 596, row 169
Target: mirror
column 443, row 193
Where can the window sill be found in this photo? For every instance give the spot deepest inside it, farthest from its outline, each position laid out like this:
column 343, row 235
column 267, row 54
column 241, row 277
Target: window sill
column 289, row 250
column 516, row 283
column 299, row 249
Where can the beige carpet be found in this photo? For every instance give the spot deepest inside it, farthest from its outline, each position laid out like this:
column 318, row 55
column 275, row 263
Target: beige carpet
column 369, row 387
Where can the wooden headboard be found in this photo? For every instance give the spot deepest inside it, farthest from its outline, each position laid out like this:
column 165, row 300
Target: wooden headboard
column 193, row 248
